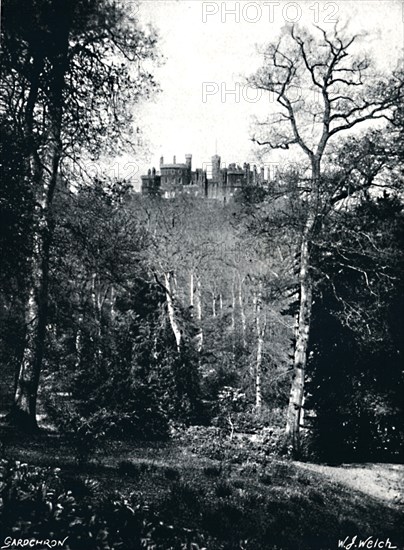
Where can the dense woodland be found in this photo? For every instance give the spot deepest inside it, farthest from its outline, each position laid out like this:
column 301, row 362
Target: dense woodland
column 133, row 318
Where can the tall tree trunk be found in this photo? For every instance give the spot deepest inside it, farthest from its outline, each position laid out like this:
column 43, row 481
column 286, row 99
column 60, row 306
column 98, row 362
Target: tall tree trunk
column 112, row 301
column 168, row 278
column 198, row 304
column 25, row 398
column 233, row 320
column 260, row 331
column 79, row 341
column 97, row 306
column 258, row 373
column 191, row 291
column 43, row 180
column 300, row 355
column 296, row 399
column 242, row 313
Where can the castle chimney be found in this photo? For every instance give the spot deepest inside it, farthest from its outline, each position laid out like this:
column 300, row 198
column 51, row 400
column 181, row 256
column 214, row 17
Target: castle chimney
column 161, row 161
column 175, row 160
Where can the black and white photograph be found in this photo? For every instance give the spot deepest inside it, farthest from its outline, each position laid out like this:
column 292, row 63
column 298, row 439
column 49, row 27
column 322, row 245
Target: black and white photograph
column 202, row 274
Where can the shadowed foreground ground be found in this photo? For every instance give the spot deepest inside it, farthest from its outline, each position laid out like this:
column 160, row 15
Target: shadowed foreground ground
column 282, row 504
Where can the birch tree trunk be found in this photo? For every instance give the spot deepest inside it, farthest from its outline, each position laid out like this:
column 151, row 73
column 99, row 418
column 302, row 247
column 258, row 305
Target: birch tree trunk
column 258, row 371
column 112, row 303
column 168, row 277
column 79, row 342
column 260, row 331
column 198, row 304
column 300, row 356
column 191, row 291
column 233, row 319
column 242, row 313
column 97, row 304
column 294, row 414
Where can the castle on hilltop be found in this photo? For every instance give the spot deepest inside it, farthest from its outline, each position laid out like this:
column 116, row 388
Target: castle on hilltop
column 179, row 178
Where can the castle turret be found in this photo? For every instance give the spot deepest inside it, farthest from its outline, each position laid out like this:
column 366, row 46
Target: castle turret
column 188, row 161
column 161, row 161
column 216, row 168
column 248, row 173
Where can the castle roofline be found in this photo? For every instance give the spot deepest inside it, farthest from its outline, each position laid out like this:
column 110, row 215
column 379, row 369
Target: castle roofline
column 173, row 166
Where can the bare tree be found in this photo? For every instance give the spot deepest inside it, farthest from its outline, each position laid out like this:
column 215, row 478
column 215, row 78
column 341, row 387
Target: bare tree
column 323, row 90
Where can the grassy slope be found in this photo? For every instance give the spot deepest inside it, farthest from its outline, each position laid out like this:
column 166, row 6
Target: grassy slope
column 287, row 505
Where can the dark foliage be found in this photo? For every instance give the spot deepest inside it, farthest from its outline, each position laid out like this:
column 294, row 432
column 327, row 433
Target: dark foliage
column 355, row 374
column 38, row 503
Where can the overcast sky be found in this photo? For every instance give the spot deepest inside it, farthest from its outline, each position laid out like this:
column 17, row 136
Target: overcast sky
column 203, row 43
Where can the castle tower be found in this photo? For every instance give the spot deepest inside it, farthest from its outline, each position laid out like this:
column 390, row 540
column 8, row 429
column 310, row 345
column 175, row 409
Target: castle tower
column 216, row 168
column 248, row 173
column 188, row 161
